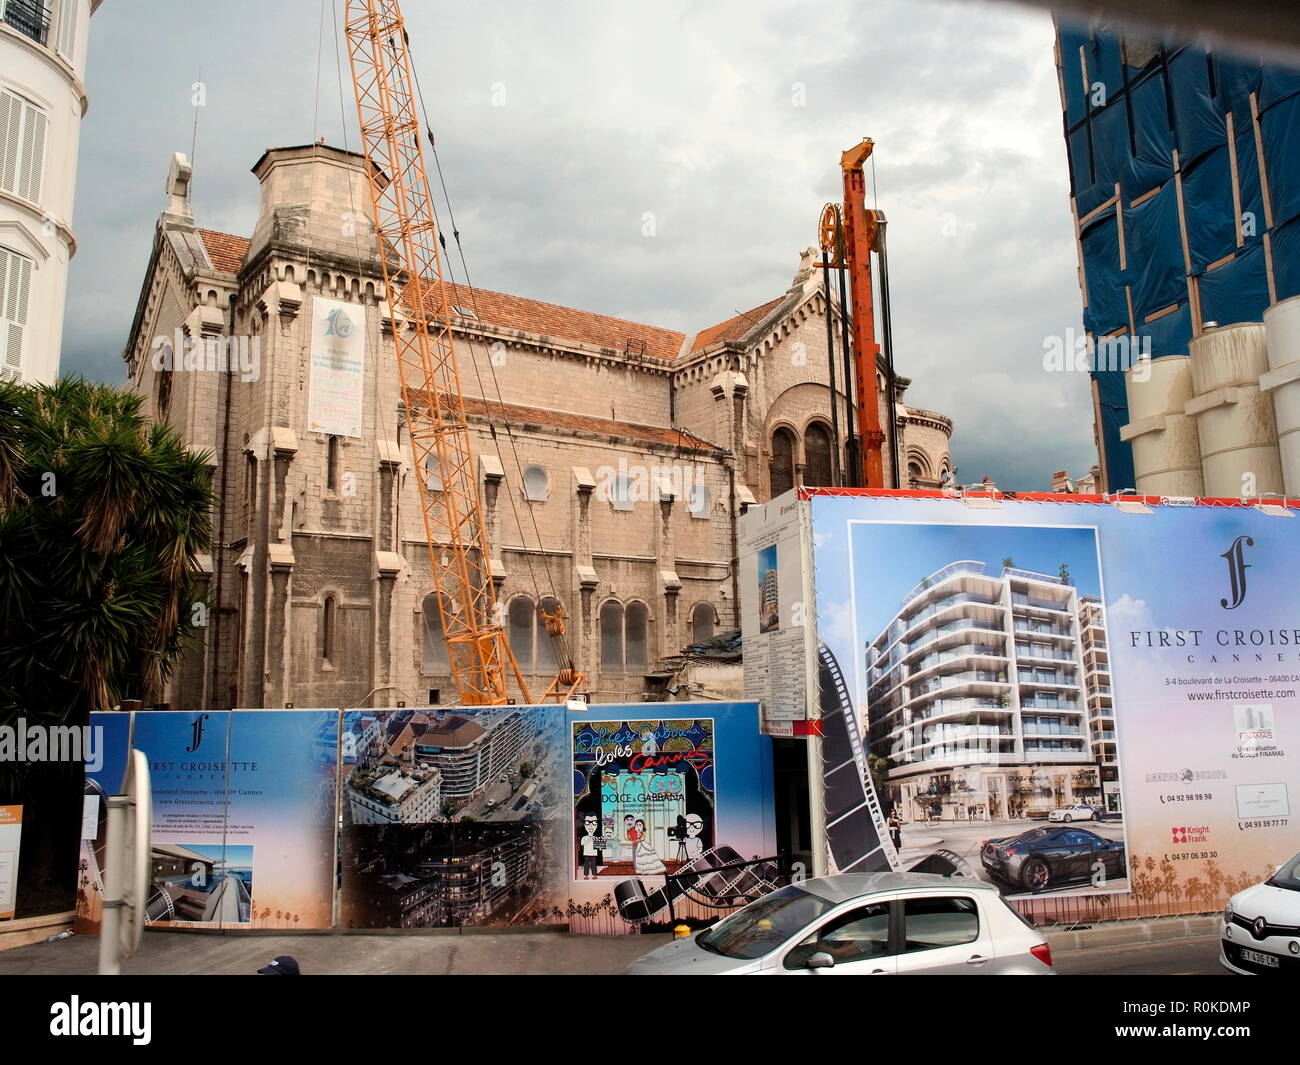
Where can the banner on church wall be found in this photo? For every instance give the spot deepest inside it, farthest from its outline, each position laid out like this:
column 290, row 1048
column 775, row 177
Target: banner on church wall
column 337, row 368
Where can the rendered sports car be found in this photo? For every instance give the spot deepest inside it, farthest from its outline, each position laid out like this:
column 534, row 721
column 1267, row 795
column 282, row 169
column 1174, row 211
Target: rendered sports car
column 1044, row 858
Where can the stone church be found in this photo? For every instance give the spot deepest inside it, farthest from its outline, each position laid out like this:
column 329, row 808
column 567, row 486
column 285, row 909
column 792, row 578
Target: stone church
column 632, row 450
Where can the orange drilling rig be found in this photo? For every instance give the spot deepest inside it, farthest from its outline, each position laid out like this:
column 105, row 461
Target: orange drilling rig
column 848, row 234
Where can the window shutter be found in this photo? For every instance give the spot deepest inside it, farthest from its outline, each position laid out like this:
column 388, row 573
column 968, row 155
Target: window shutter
column 33, row 158
column 11, row 113
column 15, row 287
column 68, row 28
column 22, row 141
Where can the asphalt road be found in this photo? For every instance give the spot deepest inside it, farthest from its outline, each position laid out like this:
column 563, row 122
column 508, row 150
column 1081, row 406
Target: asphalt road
column 551, row 954
column 1179, row 957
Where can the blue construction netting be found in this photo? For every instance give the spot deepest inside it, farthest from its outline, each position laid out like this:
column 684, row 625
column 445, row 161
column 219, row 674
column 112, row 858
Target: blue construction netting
column 1168, row 334
column 1139, row 123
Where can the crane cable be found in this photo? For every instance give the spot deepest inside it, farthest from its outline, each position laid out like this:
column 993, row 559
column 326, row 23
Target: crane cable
column 496, row 384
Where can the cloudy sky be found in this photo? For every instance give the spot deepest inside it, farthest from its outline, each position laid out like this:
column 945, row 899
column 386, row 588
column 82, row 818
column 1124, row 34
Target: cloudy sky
column 560, row 126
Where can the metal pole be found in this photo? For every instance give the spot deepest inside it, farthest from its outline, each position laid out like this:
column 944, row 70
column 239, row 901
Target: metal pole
column 887, row 329
column 110, row 929
column 817, row 805
column 836, row 478
column 854, row 463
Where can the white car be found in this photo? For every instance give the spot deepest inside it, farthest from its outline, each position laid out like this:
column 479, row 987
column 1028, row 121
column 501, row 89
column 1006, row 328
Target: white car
column 863, row 924
column 1261, row 926
column 1077, row 812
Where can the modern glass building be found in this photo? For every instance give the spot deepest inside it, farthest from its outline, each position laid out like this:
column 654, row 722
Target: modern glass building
column 1185, row 188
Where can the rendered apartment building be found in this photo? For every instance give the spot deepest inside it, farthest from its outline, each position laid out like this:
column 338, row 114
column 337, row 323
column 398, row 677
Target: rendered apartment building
column 977, row 695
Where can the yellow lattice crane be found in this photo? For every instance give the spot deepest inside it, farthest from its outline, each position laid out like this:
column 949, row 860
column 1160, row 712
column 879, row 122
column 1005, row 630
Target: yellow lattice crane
column 386, row 93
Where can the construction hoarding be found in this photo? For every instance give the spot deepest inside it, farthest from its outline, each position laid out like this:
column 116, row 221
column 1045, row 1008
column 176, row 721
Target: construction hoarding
column 1068, row 698
column 441, row 817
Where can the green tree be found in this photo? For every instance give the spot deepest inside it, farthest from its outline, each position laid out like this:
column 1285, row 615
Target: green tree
column 103, row 515
column 1008, row 563
column 879, row 768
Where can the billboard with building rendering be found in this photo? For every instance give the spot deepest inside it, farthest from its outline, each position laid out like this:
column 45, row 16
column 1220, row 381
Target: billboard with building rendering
column 441, row 817
column 1071, row 698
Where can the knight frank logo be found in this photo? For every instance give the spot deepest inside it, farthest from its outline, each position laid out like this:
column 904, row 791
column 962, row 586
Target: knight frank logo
column 1237, row 566
column 1195, row 834
column 196, row 733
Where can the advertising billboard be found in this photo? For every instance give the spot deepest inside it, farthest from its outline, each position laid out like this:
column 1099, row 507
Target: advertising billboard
column 104, row 777
column 779, row 644
column 243, row 817
column 453, row 817
column 1070, row 698
column 441, row 817
column 658, row 788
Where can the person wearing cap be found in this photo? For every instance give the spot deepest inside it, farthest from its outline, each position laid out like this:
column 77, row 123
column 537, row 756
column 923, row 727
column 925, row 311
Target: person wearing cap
column 281, row 966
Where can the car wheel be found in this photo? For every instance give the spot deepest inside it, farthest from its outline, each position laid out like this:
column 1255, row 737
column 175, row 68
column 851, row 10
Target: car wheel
column 1067, row 818
column 1036, row 875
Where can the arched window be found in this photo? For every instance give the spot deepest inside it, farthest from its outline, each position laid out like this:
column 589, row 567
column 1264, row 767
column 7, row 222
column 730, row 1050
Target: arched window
column 703, row 620
column 537, row 485
column 817, row 452
column 781, row 472
column 913, row 474
column 520, row 618
column 327, row 626
column 434, row 658
column 611, row 636
column 432, row 474
column 636, row 640
column 546, row 663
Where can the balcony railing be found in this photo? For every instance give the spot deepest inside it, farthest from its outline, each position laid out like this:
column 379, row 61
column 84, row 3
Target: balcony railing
column 966, row 650
column 1047, row 704
column 1017, row 599
column 1045, row 630
column 1030, row 676
column 945, row 707
column 28, row 17
column 1029, row 651
column 951, row 626
column 946, row 603
column 1030, row 575
column 938, row 577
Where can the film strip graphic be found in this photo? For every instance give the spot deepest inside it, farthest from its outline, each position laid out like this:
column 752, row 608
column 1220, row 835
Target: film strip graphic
column 856, row 833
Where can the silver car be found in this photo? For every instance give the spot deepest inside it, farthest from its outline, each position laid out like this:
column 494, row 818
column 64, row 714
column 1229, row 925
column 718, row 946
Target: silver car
column 863, row 924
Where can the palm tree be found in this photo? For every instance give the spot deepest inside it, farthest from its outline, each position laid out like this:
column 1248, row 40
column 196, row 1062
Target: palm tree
column 103, row 515
column 102, row 518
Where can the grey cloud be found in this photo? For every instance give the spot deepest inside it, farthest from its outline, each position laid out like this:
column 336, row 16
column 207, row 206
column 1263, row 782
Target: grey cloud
column 681, row 109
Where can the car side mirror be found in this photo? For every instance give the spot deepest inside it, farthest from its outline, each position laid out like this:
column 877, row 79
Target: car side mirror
column 821, row 960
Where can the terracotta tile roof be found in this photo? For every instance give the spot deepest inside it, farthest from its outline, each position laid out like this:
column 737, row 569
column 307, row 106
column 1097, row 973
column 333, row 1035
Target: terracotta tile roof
column 504, row 311
column 561, row 323
column 734, row 328
column 520, row 415
column 226, row 250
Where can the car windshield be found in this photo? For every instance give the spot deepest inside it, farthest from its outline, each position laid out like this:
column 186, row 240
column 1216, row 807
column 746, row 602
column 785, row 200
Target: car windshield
column 1288, row 876
column 764, row 925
